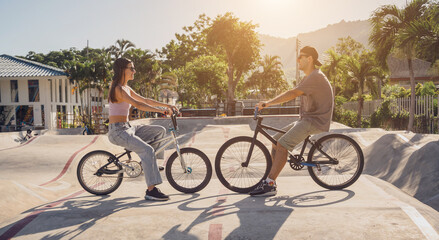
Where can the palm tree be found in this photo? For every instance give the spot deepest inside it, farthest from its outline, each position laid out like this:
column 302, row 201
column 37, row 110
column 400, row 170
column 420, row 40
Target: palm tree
column 270, row 81
column 333, row 66
column 361, row 68
column 425, row 33
column 120, row 48
column 388, row 24
column 168, row 84
column 103, row 69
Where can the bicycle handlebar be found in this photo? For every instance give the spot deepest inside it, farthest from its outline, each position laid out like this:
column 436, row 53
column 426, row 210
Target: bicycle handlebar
column 257, row 111
column 174, row 118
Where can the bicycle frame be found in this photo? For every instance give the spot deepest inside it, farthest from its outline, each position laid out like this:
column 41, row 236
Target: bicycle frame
column 260, row 128
column 172, row 138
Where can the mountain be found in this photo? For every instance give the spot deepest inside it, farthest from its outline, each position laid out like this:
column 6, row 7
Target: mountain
column 322, row 40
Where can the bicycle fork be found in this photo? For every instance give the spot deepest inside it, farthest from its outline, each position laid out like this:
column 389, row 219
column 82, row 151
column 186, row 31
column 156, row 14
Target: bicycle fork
column 177, row 147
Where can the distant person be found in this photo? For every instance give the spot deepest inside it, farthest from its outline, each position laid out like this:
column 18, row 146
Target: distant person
column 317, row 101
column 135, row 138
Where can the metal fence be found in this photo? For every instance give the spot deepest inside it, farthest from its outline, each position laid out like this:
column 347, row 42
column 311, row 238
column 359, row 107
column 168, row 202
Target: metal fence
column 369, row 107
column 426, row 108
column 97, row 124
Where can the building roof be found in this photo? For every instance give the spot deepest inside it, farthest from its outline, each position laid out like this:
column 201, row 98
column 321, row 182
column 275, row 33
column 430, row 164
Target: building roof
column 399, row 68
column 19, row 67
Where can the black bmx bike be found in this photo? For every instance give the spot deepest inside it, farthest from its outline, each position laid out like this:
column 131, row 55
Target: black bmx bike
column 334, row 161
column 188, row 170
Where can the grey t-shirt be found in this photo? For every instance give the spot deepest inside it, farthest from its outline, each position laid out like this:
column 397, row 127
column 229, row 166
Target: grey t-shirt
column 317, row 102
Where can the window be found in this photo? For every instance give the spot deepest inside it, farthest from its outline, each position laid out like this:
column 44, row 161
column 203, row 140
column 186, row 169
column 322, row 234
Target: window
column 34, row 90
column 67, row 94
column 76, row 94
column 60, row 90
column 0, row 93
column 14, row 91
column 42, row 116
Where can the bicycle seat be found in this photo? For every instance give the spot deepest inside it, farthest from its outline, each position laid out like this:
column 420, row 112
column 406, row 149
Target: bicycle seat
column 126, row 150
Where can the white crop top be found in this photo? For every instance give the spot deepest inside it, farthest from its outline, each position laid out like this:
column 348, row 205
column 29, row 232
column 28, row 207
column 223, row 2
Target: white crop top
column 122, row 108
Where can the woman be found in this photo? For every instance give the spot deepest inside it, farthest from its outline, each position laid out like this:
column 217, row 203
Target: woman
column 135, row 138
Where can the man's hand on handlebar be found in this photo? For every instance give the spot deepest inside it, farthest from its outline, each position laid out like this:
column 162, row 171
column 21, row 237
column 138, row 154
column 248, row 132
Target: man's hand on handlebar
column 261, row 105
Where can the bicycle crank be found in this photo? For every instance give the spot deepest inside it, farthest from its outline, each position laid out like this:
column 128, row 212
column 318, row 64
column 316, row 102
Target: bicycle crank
column 295, row 162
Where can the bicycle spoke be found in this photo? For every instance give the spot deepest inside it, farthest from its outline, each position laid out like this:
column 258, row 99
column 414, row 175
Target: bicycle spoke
column 349, row 159
column 95, row 184
column 231, row 167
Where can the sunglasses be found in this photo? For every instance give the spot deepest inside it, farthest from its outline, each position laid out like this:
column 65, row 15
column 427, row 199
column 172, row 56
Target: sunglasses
column 132, row 68
column 302, row 55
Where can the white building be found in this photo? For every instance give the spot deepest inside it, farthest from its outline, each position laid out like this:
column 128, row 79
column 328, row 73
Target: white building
column 32, row 93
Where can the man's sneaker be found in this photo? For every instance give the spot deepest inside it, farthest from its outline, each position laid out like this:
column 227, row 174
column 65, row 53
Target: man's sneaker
column 264, row 189
column 156, row 195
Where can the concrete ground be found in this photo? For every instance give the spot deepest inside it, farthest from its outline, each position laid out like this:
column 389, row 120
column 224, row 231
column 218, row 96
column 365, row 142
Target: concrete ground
column 42, row 199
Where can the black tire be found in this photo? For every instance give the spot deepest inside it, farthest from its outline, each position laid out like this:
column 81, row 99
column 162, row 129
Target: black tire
column 343, row 174
column 229, row 169
column 92, row 183
column 198, row 174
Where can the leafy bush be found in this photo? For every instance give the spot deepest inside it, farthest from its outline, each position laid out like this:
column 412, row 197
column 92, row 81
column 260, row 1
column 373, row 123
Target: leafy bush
column 348, row 118
column 339, row 100
column 382, row 116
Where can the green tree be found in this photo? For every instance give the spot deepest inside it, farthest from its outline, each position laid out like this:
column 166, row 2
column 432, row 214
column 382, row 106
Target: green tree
column 333, row 68
column 240, row 45
column 187, row 46
column 348, row 46
column 120, row 48
column 361, row 68
column 388, row 25
column 202, row 79
column 147, row 69
column 269, row 79
column 424, row 32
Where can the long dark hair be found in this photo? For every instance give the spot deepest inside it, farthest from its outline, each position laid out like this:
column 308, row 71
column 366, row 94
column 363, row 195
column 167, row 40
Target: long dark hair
column 118, row 67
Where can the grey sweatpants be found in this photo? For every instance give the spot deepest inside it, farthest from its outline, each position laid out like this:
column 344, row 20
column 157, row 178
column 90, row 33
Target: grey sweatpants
column 138, row 139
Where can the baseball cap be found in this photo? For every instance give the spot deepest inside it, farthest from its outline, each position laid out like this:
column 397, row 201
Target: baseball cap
column 312, row 52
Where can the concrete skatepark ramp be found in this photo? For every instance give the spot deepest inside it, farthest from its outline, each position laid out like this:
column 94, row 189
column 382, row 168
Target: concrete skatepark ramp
column 41, row 175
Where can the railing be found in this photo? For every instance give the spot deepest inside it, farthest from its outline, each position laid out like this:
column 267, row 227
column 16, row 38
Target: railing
column 77, row 121
column 369, row 107
column 424, row 108
column 424, row 105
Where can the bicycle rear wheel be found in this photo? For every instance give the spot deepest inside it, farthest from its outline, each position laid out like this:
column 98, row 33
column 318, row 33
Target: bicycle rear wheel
column 350, row 161
column 230, row 169
column 95, row 179
column 195, row 176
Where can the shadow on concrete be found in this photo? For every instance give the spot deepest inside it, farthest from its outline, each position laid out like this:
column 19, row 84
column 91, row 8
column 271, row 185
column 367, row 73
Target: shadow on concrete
column 254, row 212
column 76, row 211
column 82, row 213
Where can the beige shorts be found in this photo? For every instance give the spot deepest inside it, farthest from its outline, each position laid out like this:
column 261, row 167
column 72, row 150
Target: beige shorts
column 296, row 132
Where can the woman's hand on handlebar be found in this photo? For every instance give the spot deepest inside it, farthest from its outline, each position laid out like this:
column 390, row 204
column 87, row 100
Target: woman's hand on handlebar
column 172, row 109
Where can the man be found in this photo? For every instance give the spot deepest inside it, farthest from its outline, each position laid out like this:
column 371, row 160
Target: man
column 316, row 105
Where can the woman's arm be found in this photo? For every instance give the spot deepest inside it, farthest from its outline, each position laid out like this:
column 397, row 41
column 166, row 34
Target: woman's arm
column 123, row 96
column 149, row 101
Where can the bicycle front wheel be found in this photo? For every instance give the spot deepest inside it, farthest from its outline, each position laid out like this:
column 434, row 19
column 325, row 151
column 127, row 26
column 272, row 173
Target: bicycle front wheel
column 230, row 164
column 191, row 176
column 342, row 149
column 95, row 179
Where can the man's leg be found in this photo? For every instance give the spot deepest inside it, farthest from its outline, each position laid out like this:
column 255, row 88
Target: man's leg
column 296, row 133
column 279, row 160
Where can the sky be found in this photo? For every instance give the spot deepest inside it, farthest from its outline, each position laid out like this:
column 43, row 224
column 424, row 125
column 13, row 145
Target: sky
column 52, row 25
